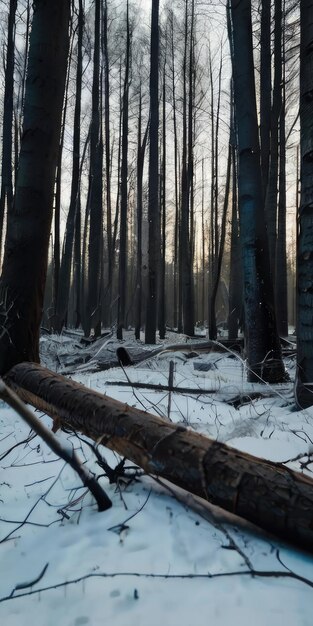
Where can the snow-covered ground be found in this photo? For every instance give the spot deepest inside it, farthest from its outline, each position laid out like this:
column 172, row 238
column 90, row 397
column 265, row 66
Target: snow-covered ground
column 159, row 555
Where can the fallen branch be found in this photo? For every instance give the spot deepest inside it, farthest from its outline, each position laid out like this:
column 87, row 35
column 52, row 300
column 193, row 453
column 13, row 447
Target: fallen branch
column 67, row 454
column 159, row 387
column 108, row 357
column 234, row 399
column 268, row 494
column 254, row 573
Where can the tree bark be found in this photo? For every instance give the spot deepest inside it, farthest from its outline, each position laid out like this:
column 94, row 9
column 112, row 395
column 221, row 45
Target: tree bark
column 268, row 494
column 163, row 215
column 304, row 381
column 265, row 91
column 6, row 194
column 64, row 283
column 177, row 313
column 261, row 337
column 271, row 191
column 105, row 51
column 186, row 243
column 95, row 193
column 141, row 150
column 153, row 203
column 25, row 258
column 281, row 253
column 235, row 274
column 122, row 275
column 219, row 251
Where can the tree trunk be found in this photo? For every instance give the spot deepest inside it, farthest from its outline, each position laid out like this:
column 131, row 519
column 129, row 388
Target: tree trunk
column 304, row 395
column 6, row 194
column 162, row 308
column 219, row 253
column 95, row 200
column 281, row 253
column 265, row 91
column 153, row 204
column 186, row 243
column 177, row 313
column 124, row 195
column 271, row 191
column 261, row 338
column 141, row 149
column 107, row 156
column 62, row 298
column 58, row 186
column 268, row 494
column 26, row 248
column 235, row 274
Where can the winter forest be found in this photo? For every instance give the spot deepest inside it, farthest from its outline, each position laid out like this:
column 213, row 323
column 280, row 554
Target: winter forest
column 156, row 312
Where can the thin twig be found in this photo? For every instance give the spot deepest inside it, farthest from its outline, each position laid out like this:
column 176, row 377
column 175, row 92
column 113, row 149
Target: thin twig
column 252, row 573
column 68, row 455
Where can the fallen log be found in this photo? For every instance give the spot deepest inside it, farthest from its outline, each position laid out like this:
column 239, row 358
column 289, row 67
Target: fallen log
column 234, row 398
column 129, row 356
column 268, row 494
column 108, row 356
column 159, row 387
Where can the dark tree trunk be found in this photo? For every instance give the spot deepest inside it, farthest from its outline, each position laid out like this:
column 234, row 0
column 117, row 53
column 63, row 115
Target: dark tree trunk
column 6, row 194
column 186, row 173
column 26, row 248
column 271, row 191
column 219, row 253
column 141, row 149
column 213, row 225
column 57, row 197
column 203, row 256
column 217, row 232
column 122, row 278
column 268, row 494
column 162, row 313
column 261, row 339
column 67, row 254
column 107, row 153
column 95, row 200
column 281, row 253
column 265, row 91
column 153, row 204
column 304, row 387
column 235, row 277
column 177, row 316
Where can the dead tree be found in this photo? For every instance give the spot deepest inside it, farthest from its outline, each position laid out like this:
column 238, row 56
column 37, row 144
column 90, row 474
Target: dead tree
column 268, row 494
column 25, row 257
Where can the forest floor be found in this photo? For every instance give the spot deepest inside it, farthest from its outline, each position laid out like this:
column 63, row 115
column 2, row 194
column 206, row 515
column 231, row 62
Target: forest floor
column 159, row 555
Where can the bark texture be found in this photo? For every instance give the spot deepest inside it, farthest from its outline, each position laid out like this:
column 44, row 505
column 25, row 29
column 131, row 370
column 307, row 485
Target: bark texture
column 261, row 338
column 304, row 382
column 25, row 258
column 6, row 193
column 153, row 201
column 268, row 494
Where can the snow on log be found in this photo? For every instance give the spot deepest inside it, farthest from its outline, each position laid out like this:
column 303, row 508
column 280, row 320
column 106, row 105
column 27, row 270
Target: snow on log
column 268, row 494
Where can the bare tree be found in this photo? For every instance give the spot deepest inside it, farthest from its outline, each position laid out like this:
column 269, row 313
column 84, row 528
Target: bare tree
column 124, row 188
column 153, row 207
column 304, row 395
column 261, row 338
column 6, row 193
column 26, row 248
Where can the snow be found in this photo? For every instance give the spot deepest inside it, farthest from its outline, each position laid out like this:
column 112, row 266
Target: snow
column 159, row 555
